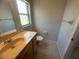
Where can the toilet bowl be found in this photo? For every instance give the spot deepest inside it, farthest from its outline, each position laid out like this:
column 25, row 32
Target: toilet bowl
column 39, row 39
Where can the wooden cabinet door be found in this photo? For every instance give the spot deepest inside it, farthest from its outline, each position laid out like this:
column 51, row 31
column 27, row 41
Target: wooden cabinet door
column 34, row 46
column 29, row 53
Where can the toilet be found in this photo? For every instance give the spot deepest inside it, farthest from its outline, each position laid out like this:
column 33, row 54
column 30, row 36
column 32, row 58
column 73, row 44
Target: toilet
column 39, row 39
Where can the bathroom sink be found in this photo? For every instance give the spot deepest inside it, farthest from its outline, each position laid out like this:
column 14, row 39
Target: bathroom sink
column 11, row 49
column 18, row 42
column 11, row 44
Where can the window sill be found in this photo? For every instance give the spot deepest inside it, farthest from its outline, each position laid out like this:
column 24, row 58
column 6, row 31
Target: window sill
column 25, row 26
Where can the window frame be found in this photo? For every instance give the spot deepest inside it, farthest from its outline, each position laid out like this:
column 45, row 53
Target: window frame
column 28, row 14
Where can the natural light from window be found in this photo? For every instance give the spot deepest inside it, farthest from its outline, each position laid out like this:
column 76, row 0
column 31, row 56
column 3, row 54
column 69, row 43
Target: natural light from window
column 23, row 12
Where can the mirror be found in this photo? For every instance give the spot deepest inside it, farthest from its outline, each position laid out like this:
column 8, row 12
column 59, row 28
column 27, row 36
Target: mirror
column 6, row 19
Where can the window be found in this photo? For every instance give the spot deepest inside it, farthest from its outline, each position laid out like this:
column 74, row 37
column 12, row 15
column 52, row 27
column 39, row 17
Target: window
column 24, row 12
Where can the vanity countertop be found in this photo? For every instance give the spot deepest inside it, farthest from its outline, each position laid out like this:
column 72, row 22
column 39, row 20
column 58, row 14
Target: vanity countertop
column 19, row 42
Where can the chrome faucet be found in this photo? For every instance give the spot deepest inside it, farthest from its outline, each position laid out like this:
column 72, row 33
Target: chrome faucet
column 7, row 38
column 7, row 41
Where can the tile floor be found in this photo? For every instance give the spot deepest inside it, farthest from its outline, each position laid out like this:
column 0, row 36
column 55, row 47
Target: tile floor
column 47, row 50
column 75, row 54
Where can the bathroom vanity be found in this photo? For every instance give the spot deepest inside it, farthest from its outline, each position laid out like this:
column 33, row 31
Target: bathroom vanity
column 22, row 46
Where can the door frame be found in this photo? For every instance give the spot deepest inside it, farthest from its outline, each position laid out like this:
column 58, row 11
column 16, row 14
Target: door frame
column 72, row 45
column 73, row 41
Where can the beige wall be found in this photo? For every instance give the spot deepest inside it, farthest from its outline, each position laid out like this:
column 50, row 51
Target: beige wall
column 14, row 10
column 6, row 18
column 4, row 10
column 71, row 10
column 48, row 16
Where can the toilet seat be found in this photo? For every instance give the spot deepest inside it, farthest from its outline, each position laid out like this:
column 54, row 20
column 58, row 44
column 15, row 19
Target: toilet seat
column 39, row 38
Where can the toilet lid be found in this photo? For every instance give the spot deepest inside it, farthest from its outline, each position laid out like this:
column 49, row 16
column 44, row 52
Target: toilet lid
column 40, row 38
